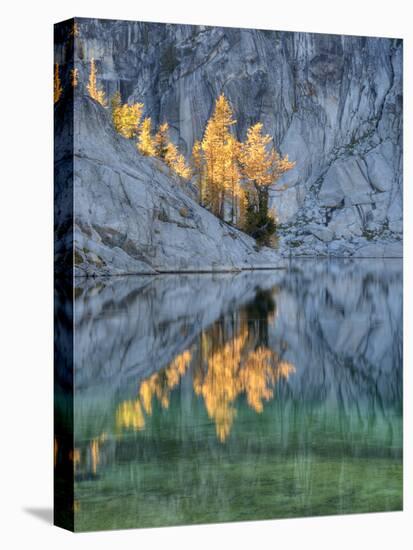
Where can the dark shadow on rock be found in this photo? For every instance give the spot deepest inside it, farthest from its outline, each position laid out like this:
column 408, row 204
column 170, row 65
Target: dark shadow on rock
column 45, row 514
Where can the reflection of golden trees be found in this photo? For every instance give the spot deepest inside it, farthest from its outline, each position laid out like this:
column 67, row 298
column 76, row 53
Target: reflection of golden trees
column 219, row 385
column 234, row 359
column 95, row 451
column 88, row 456
column 130, row 414
column 238, row 368
column 161, row 384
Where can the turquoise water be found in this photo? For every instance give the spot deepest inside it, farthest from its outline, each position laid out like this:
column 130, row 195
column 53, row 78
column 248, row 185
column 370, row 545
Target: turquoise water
column 210, row 398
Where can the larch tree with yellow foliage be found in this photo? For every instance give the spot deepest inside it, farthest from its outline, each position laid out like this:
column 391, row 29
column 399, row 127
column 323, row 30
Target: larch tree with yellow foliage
column 57, row 85
column 176, row 162
column 146, row 144
column 261, row 166
column 125, row 117
column 92, row 87
column 162, row 140
column 232, row 176
column 215, row 144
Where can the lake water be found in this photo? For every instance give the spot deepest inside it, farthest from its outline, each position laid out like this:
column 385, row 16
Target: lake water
column 228, row 397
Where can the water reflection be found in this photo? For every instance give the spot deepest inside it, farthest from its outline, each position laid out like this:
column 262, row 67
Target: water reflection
column 228, row 360
column 198, row 393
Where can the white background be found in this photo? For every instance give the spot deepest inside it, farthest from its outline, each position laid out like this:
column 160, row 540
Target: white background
column 26, row 203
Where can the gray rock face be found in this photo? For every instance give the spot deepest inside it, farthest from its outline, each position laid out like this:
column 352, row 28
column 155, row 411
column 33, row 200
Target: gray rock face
column 333, row 103
column 131, row 215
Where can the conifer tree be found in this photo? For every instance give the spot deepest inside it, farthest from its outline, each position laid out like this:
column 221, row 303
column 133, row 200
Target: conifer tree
column 171, row 154
column 261, row 166
column 214, row 145
column 161, row 140
column 94, row 92
column 146, row 144
column 232, row 175
column 176, row 161
column 126, row 118
column 57, row 85
column 181, row 168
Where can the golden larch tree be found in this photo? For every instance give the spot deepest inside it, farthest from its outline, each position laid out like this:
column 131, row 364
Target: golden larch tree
column 217, row 134
column 57, row 85
column 162, row 140
column 232, row 175
column 125, row 117
column 146, row 144
column 92, row 87
column 176, row 162
column 261, row 166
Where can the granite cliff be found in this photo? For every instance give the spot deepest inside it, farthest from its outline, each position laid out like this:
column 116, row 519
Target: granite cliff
column 131, row 215
column 333, row 104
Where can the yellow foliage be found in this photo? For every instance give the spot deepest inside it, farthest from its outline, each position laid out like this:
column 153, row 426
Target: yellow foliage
column 176, row 162
column 232, row 175
column 94, row 92
column 235, row 369
column 162, row 383
column 229, row 368
column 74, row 77
column 94, row 454
column 130, row 415
column 161, row 140
column 261, row 165
column 261, row 372
column 57, row 85
column 146, row 144
column 215, row 146
column 219, row 386
column 126, row 118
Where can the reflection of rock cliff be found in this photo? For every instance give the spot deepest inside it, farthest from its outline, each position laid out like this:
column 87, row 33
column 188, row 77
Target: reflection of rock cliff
column 333, row 103
column 339, row 324
column 127, row 328
column 342, row 323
